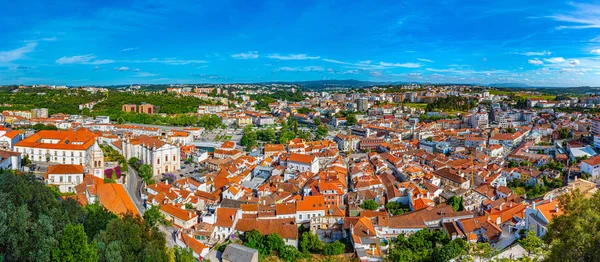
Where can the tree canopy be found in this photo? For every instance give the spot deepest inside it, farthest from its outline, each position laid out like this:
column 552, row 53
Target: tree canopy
column 36, row 225
column 575, row 236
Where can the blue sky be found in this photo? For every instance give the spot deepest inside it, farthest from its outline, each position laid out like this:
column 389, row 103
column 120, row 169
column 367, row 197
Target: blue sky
column 556, row 43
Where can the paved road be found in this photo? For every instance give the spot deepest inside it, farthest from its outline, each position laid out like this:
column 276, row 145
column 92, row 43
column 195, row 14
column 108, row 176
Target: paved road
column 134, row 188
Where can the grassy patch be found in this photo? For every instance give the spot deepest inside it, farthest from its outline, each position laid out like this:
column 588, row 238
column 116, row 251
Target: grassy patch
column 416, row 105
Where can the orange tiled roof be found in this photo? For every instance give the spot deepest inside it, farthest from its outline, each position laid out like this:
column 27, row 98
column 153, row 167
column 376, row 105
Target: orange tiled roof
column 114, row 198
column 80, row 139
column 177, row 212
column 65, row 169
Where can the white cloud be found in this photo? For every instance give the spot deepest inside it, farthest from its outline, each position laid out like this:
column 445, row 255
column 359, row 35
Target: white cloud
column 123, row 68
column 136, row 70
column 301, row 69
column 574, row 62
column 425, row 60
column 292, row 57
column 168, row 61
column 247, row 55
column 596, row 51
column 542, row 53
column 365, row 62
column 144, row 74
column 82, row 59
column 555, row 60
column 408, row 65
column 376, row 73
column 15, row 54
column 50, row 39
column 584, row 16
column 129, row 49
column 535, row 61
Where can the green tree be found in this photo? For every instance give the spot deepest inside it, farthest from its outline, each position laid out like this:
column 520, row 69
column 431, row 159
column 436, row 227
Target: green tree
column 575, row 235
column 531, row 242
column 289, row 254
column 254, row 239
column 317, row 121
column 322, row 131
column 153, row 216
column 310, row 243
column 274, row 242
column 145, row 172
column 96, row 219
column 134, row 162
column 369, row 204
column 74, row 246
column 351, row 120
column 184, row 255
column 456, row 203
column 334, row 248
column 396, row 208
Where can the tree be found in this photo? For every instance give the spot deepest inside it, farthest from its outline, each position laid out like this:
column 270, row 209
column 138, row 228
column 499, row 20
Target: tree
column 183, row 255
column 317, row 121
column 396, row 208
column 451, row 250
column 334, row 248
column 351, row 120
column 456, row 203
column 369, row 204
column 145, row 172
column 96, row 219
column 575, row 235
column 274, row 242
column 322, row 131
column 289, row 254
column 254, row 239
column 169, row 177
column 153, row 216
column 310, row 243
column 134, row 162
column 74, row 246
column 25, row 161
column 531, row 242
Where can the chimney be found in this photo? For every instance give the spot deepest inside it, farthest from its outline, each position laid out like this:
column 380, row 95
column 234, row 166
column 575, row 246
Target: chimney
column 556, row 208
column 500, row 207
column 189, row 214
column 533, row 204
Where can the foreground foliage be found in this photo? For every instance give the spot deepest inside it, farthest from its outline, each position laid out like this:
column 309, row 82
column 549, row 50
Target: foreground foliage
column 36, row 225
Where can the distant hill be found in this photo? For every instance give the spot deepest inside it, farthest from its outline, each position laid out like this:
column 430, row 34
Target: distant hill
column 326, row 84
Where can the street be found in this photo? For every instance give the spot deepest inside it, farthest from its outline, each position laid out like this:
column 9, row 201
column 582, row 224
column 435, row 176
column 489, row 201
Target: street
column 134, row 188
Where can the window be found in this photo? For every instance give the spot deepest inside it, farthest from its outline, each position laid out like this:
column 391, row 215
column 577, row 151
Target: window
column 158, row 161
column 166, row 158
column 69, row 179
column 300, row 216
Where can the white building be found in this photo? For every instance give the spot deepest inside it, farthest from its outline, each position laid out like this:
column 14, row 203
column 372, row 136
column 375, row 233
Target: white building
column 161, row 156
column 79, row 147
column 303, row 163
column 591, row 166
column 64, row 177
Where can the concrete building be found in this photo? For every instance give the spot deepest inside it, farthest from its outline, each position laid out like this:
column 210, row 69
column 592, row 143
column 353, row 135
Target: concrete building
column 362, row 104
column 129, row 108
column 146, row 109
